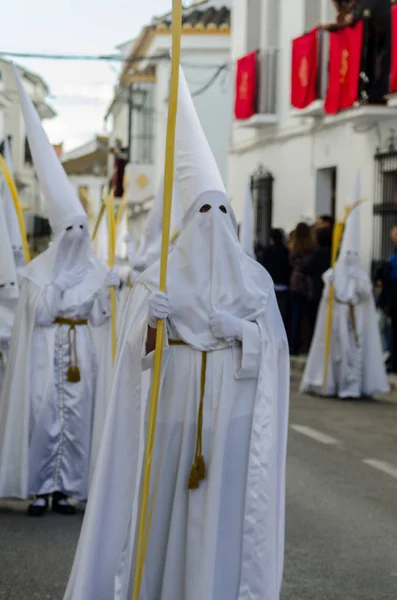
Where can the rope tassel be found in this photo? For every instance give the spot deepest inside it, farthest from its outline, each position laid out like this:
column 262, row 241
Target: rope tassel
column 199, row 470
column 73, row 374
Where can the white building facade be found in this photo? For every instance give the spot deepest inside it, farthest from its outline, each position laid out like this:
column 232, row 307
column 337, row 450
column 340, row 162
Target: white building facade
column 138, row 114
column 14, row 128
column 304, row 163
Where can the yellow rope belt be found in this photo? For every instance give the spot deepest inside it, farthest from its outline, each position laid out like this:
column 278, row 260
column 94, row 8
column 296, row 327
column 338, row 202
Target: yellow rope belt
column 353, row 322
column 73, row 368
column 198, row 471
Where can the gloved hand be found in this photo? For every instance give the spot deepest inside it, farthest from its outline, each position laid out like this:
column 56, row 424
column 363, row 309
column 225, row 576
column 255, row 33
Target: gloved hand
column 225, row 326
column 159, row 308
column 69, row 279
column 112, row 278
column 19, row 257
column 138, row 264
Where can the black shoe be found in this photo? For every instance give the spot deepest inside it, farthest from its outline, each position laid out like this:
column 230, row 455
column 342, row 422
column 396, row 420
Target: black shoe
column 61, row 506
column 38, row 510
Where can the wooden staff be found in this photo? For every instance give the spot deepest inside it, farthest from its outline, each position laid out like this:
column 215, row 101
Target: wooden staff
column 144, row 523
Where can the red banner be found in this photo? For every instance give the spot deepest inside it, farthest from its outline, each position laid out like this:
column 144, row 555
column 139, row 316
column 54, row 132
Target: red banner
column 245, row 87
column 344, row 68
column 393, row 49
column 304, row 70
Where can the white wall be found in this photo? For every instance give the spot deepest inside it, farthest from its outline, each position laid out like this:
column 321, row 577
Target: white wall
column 214, row 106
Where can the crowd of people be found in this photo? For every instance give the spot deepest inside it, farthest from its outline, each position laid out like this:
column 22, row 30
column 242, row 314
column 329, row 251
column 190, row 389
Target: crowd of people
column 297, row 266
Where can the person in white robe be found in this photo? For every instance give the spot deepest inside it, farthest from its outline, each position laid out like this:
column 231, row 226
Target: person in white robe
column 356, row 367
column 14, row 231
column 8, row 292
column 48, row 412
column 218, row 476
column 11, row 259
column 150, row 246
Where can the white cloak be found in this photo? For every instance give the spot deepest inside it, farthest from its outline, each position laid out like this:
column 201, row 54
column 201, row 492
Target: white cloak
column 356, row 367
column 235, row 550
column 46, row 422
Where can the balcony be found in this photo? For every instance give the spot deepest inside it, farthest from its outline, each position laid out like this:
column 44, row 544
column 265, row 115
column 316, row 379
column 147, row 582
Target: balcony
column 371, row 104
column 265, row 94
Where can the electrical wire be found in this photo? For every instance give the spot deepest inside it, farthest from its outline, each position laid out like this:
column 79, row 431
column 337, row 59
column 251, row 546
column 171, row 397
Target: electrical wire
column 104, row 58
column 210, row 82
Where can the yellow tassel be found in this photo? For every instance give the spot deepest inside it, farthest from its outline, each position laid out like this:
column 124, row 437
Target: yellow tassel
column 194, row 479
column 200, row 465
column 73, row 374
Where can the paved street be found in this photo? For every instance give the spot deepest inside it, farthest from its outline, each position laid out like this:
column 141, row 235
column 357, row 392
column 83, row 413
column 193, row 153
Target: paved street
column 341, row 512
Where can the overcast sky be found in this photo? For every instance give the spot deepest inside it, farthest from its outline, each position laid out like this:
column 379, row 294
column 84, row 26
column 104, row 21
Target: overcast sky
column 81, row 90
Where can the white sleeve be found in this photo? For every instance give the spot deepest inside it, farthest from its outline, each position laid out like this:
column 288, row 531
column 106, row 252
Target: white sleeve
column 100, row 311
column 248, row 355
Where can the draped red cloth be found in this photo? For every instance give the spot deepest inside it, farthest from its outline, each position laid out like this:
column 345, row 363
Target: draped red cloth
column 344, row 68
column 246, row 79
column 393, row 49
column 304, row 70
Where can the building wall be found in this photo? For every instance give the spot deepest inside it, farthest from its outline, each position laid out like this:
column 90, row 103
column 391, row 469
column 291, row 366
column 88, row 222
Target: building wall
column 296, row 148
column 14, row 126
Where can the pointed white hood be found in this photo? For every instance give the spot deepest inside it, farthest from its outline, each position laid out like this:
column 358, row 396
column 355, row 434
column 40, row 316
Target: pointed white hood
column 196, row 168
column 150, row 247
column 351, row 235
column 9, row 208
column 62, row 202
column 208, row 269
column 247, row 225
column 71, row 247
column 348, row 270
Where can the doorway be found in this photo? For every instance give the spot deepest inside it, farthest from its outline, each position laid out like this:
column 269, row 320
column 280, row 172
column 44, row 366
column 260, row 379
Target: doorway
column 326, row 182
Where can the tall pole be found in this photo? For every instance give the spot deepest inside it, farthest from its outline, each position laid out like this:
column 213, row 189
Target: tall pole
column 144, row 521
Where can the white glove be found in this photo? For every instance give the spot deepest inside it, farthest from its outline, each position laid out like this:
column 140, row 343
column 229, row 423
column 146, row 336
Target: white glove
column 19, row 257
column 225, row 326
column 159, row 308
column 138, row 264
column 112, row 278
column 69, row 279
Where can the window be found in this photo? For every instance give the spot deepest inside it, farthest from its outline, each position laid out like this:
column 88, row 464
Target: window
column 254, row 22
column 142, row 124
column 27, row 154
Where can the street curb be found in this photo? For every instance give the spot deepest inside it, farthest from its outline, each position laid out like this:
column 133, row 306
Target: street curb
column 298, row 364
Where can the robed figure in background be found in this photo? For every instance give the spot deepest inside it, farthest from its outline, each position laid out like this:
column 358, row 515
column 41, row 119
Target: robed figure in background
column 356, row 367
column 48, row 413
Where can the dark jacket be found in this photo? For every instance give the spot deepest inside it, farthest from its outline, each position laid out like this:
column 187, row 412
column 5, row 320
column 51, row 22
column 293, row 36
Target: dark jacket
column 388, row 298
column 276, row 262
column 315, row 267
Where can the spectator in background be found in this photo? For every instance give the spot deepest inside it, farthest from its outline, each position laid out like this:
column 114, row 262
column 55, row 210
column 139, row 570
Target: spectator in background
column 315, row 267
column 275, row 259
column 325, row 221
column 301, row 249
column 389, row 301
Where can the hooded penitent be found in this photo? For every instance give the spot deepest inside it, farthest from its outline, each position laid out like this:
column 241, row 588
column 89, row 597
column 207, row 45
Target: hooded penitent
column 51, row 368
column 202, row 543
column 356, row 364
column 150, row 246
column 14, row 231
